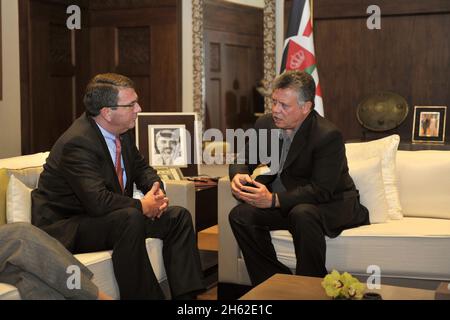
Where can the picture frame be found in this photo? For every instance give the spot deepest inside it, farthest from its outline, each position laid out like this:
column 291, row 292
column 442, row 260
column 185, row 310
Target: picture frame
column 429, row 124
column 167, row 145
column 169, row 140
column 167, row 173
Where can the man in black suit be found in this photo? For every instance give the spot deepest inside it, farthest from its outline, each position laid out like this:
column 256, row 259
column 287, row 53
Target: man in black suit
column 311, row 193
column 84, row 198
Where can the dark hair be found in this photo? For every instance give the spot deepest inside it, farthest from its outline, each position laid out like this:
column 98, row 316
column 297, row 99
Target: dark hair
column 300, row 81
column 102, row 91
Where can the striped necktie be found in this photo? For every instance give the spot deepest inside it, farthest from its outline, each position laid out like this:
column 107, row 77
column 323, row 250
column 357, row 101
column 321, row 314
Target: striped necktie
column 119, row 169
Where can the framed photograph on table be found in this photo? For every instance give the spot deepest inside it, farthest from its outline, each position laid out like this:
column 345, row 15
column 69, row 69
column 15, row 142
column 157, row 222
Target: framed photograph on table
column 168, row 173
column 169, row 140
column 429, row 124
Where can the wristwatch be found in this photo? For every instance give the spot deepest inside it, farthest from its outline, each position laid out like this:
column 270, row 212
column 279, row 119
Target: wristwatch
column 274, row 200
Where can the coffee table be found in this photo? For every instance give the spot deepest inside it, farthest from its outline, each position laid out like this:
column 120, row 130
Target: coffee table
column 291, row 287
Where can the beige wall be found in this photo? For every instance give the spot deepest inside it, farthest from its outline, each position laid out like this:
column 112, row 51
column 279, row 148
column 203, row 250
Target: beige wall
column 10, row 143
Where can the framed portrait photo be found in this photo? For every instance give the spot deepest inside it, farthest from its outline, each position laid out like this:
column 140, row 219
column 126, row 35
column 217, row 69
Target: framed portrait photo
column 429, row 124
column 167, row 145
column 169, row 140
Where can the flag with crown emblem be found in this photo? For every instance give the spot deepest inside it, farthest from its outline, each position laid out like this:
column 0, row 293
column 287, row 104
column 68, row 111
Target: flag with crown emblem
column 299, row 47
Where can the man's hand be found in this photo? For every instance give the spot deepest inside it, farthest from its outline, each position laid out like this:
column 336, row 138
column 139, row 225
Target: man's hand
column 154, row 202
column 257, row 196
column 238, row 181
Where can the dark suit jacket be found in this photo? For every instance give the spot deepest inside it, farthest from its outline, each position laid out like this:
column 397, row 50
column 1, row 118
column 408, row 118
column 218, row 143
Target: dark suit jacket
column 79, row 179
column 315, row 172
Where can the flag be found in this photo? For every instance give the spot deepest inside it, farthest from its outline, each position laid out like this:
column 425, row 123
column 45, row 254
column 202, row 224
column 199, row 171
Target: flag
column 299, row 47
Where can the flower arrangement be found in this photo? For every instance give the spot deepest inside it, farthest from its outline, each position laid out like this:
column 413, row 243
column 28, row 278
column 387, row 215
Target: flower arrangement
column 342, row 286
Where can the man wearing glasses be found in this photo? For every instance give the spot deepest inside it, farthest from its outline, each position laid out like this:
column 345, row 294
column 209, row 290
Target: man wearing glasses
column 84, row 197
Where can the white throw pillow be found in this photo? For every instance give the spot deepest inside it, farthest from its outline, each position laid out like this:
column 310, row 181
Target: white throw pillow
column 424, row 183
column 18, row 201
column 368, row 178
column 386, row 150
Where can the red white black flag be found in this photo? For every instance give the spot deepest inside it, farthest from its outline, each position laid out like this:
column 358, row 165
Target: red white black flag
column 299, row 46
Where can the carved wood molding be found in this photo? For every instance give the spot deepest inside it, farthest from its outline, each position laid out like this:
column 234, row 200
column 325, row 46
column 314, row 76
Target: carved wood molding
column 269, row 49
column 198, row 60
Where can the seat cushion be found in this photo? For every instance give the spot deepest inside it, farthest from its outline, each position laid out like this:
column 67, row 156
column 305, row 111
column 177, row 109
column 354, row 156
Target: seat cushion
column 100, row 264
column 407, row 248
column 8, row 292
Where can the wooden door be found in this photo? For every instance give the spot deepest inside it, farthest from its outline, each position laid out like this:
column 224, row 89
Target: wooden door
column 143, row 41
column 50, row 81
column 233, row 37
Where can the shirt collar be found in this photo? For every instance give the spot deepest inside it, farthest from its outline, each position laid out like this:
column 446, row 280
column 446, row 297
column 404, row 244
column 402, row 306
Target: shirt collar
column 106, row 133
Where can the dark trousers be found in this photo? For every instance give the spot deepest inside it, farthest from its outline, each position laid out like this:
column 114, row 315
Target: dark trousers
column 251, row 227
column 124, row 231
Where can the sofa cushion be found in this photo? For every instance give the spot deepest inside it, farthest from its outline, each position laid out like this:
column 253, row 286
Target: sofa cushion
column 8, row 292
column 424, row 183
column 29, row 176
column 29, row 167
column 100, row 264
column 32, row 160
column 18, row 201
column 368, row 179
column 401, row 248
column 386, row 149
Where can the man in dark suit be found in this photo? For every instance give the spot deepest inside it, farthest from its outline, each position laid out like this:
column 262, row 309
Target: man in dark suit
column 84, row 198
column 311, row 193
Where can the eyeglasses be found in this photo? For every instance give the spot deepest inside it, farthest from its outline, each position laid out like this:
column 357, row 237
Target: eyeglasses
column 130, row 105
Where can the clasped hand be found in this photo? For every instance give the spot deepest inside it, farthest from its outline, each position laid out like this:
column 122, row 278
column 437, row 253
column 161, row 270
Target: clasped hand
column 257, row 196
column 155, row 202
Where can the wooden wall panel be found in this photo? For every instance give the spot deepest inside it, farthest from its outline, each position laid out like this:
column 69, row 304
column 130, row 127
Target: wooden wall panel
column 142, row 43
column 214, row 117
column 50, row 98
column 410, row 56
column 140, row 39
column 165, row 71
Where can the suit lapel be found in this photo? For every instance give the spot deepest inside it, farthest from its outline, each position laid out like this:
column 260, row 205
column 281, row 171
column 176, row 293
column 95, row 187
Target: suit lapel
column 106, row 152
column 299, row 141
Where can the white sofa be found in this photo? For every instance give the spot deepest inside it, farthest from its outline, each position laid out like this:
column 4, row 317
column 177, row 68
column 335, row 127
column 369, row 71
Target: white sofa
column 27, row 169
column 413, row 251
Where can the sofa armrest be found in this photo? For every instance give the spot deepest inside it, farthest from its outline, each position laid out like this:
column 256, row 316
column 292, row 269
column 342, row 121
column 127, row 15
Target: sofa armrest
column 181, row 193
column 229, row 249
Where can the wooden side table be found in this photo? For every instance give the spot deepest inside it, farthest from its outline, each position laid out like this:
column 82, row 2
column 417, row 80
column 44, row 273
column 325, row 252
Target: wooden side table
column 291, row 287
column 205, row 204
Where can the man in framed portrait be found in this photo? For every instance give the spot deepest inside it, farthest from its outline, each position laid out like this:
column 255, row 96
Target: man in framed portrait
column 168, row 148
